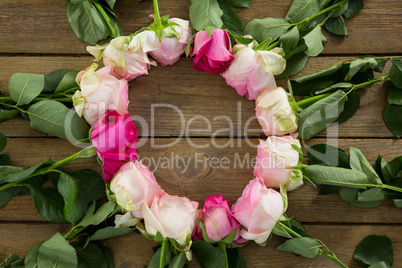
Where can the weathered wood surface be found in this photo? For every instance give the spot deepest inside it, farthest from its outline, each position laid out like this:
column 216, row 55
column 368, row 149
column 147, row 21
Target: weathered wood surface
column 195, row 94
column 39, row 26
column 35, row 37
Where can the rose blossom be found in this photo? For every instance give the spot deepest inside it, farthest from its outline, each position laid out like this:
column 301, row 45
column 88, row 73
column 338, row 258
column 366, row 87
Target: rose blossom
column 100, row 91
column 174, row 41
column 252, row 72
column 172, row 216
column 257, row 210
column 133, row 185
column 274, row 112
column 275, row 157
column 114, row 138
column 212, row 53
column 126, row 60
column 217, row 219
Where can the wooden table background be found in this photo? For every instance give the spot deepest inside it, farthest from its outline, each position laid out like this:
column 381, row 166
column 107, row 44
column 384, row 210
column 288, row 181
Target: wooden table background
column 35, row 37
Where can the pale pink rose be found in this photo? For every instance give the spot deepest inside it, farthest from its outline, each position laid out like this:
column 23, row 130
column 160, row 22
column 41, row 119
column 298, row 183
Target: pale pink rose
column 212, row 53
column 258, row 210
column 174, row 41
column 275, row 157
column 217, row 219
column 172, row 216
column 275, row 114
column 133, row 185
column 100, row 92
column 127, row 61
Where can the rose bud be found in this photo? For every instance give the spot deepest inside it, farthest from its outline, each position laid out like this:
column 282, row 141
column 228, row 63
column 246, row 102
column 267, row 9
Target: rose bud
column 172, row 216
column 258, row 210
column 275, row 157
column 133, row 185
column 217, row 219
column 275, row 114
column 126, row 60
column 174, row 41
column 212, row 53
column 114, row 138
column 100, row 91
column 252, row 72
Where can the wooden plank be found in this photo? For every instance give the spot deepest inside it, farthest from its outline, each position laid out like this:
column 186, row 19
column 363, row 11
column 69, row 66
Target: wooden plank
column 133, row 250
column 183, row 170
column 194, row 94
column 42, row 27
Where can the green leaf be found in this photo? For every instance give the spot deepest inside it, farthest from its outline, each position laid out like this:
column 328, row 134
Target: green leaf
column 8, row 194
column 17, row 174
column 204, row 232
column 229, row 239
column 154, row 263
column 336, row 176
column 395, row 73
column 380, row 65
column 5, row 160
column 10, row 260
column 3, row 141
column 290, row 39
column 321, row 114
column 328, row 189
column 261, row 29
column 32, row 255
column 370, row 198
column 398, row 203
column 93, row 186
column 235, row 260
column 340, row 10
column 75, row 200
column 302, row 9
column 208, row 255
column 110, row 3
column 57, row 252
column 374, row 249
column 336, row 26
column 351, row 106
column 359, row 163
column 327, row 155
column 309, row 84
column 304, row 246
column 101, row 214
column 313, row 41
column 178, row 261
column 355, row 66
column 49, row 204
column 86, row 22
column 108, row 254
column 395, row 96
column 68, row 82
column 109, row 232
column 205, row 13
column 279, row 230
column 8, row 114
column 393, row 119
column 354, row 6
column 54, row 118
column 230, row 18
column 23, row 88
column 89, row 256
column 378, row 265
column 53, row 79
column 294, row 65
column 238, row 3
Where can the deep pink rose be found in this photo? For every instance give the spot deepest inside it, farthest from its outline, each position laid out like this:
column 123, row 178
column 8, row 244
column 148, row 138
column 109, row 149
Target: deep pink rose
column 212, row 53
column 258, row 210
column 275, row 157
column 114, row 138
column 217, row 219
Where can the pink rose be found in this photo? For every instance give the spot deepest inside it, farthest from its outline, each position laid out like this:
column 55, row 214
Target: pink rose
column 133, row 185
column 217, row 219
column 126, row 60
column 114, row 138
column 275, row 157
column 252, row 72
column 100, row 91
column 258, row 210
column 212, row 53
column 174, row 41
column 172, row 216
column 275, row 114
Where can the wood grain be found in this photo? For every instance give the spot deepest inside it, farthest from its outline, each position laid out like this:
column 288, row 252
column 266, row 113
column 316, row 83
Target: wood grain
column 183, row 170
column 194, row 94
column 39, row 26
column 134, row 251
